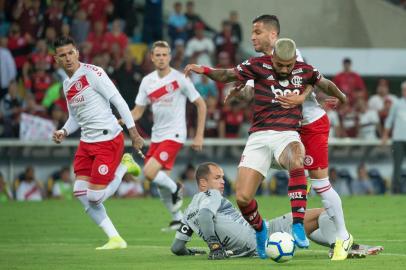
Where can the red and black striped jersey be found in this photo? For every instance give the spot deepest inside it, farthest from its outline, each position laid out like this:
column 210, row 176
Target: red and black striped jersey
column 268, row 113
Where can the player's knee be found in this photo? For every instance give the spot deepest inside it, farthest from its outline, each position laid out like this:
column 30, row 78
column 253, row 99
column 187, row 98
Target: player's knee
column 149, row 173
column 95, row 196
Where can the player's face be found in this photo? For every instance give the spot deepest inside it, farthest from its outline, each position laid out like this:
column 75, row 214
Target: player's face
column 161, row 57
column 263, row 37
column 215, row 180
column 281, row 67
column 68, row 58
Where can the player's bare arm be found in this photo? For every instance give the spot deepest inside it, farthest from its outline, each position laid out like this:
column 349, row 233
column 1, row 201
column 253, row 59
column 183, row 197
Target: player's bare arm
column 138, row 112
column 219, row 75
column 201, row 119
column 329, row 88
column 292, row 100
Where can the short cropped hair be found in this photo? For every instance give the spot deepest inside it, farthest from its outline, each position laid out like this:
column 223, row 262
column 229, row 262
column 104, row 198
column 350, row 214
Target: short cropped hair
column 63, row 41
column 285, row 49
column 271, row 20
column 160, row 44
column 203, row 170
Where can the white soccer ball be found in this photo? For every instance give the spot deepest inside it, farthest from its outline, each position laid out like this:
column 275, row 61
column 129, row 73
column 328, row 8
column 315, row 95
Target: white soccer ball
column 280, row 247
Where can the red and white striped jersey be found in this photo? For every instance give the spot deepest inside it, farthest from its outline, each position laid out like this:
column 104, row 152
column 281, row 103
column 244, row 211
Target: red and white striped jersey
column 88, row 93
column 167, row 96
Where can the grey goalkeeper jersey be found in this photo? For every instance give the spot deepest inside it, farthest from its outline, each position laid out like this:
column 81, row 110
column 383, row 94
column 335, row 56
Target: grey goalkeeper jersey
column 234, row 233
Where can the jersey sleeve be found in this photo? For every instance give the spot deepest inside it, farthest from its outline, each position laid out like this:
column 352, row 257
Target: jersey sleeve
column 315, row 76
column 212, row 201
column 189, row 90
column 245, row 70
column 142, row 98
column 104, row 85
column 184, row 232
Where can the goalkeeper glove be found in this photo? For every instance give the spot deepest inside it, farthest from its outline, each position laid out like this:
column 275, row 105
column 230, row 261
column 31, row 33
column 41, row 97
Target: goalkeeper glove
column 217, row 252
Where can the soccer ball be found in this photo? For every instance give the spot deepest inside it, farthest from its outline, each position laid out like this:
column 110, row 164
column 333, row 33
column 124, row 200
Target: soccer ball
column 280, row 247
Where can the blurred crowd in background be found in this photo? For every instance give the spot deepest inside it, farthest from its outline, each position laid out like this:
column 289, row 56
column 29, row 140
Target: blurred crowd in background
column 115, row 35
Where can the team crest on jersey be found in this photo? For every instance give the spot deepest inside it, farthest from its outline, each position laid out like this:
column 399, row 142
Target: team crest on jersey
column 308, row 160
column 296, row 81
column 164, row 156
column 103, row 169
column 78, row 85
column 169, row 88
column 284, row 83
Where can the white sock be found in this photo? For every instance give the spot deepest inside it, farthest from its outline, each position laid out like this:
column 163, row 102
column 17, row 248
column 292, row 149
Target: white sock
column 332, row 203
column 108, row 227
column 113, row 186
column 326, row 234
column 80, row 191
column 163, row 180
column 166, row 198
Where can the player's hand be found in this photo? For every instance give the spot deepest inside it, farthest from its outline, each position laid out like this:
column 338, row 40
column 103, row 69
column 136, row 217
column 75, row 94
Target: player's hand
column 291, row 100
column 197, row 143
column 196, row 251
column 331, row 102
column 193, row 68
column 217, row 252
column 58, row 136
column 234, row 92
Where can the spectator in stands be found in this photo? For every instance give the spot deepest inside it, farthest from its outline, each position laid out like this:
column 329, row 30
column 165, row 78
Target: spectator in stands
column 19, row 46
column 28, row 188
column 153, row 25
column 8, row 71
column 178, row 60
column 58, row 116
column 97, row 38
column 177, row 23
column 397, row 121
column 130, row 187
column 4, row 20
column 338, row 183
column 86, row 52
column 224, row 61
column 200, row 47
column 38, row 81
column 213, row 118
column 32, row 107
column 231, row 120
column 80, row 27
column 29, row 17
column 50, row 36
column 279, row 183
column 193, row 19
column 368, row 121
column 54, row 14
column 128, row 78
column 97, row 10
column 5, row 193
column 382, row 100
column 206, row 87
column 62, row 186
column 362, row 185
column 225, row 41
column 116, row 36
column 235, row 25
column 10, row 109
column 377, row 180
column 189, row 181
column 41, row 54
column 350, row 82
column 349, row 120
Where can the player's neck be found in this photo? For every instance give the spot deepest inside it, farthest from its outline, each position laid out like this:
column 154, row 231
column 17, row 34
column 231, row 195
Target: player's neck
column 70, row 73
column 162, row 73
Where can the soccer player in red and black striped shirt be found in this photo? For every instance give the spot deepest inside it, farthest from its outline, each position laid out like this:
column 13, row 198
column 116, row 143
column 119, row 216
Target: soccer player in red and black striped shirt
column 273, row 135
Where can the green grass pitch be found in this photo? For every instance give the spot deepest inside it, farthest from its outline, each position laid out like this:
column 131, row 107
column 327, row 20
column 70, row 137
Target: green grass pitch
column 59, row 235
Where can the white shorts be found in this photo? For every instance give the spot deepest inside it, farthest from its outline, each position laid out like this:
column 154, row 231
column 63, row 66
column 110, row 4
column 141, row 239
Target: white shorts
column 264, row 148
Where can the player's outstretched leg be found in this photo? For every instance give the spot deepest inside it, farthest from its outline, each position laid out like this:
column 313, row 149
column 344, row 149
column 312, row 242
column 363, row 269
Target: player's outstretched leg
column 166, row 197
column 98, row 213
column 298, row 201
column 252, row 216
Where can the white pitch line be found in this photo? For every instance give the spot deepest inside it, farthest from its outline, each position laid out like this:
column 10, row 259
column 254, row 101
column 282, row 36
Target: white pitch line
column 383, row 240
column 383, row 253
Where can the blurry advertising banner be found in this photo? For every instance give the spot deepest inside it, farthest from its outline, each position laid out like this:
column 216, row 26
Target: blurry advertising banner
column 35, row 128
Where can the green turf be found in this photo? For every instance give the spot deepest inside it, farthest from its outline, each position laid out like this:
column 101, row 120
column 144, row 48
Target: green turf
column 58, row 235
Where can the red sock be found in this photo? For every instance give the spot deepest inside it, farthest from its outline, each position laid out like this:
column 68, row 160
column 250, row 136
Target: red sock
column 251, row 215
column 297, row 194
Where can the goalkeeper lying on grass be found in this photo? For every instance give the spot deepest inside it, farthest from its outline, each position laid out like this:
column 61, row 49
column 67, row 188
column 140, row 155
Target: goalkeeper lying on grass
column 227, row 234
